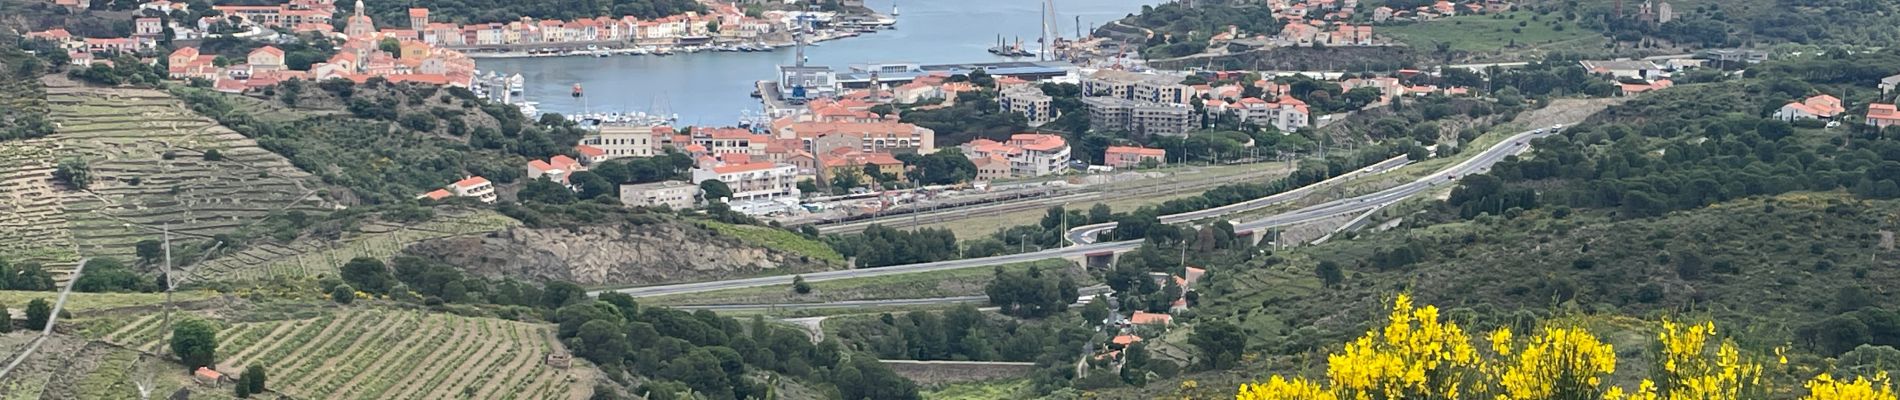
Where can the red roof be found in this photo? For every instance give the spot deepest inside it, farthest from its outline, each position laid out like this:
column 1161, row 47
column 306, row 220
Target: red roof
column 1144, row 318
column 271, row 50
column 472, row 181
column 1141, row 151
column 208, row 373
column 418, row 12
column 1037, row 141
column 1125, row 339
column 1882, row 112
column 438, row 194
column 590, row 151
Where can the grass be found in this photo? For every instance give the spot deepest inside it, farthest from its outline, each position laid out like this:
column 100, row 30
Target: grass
column 978, row 390
column 777, row 239
column 984, row 226
column 1489, row 33
column 949, row 283
column 17, row 299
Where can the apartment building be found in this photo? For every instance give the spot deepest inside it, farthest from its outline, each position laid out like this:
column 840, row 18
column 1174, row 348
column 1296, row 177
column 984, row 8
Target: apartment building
column 1111, row 114
column 753, row 180
column 616, row 141
column 1132, row 156
column 1029, row 154
column 671, row 194
column 1152, row 88
column 868, row 137
column 1028, row 101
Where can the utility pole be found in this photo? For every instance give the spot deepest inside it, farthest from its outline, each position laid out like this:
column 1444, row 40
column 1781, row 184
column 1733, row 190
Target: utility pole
column 165, row 328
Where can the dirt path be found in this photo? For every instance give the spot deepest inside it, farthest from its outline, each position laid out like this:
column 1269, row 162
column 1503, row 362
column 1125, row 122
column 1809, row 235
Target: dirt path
column 405, row 350
column 458, row 343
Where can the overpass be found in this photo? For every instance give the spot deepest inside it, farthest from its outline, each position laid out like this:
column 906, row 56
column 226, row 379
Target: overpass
column 1091, row 251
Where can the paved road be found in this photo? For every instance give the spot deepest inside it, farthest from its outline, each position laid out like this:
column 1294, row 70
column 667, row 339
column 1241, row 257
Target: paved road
column 1086, row 234
column 1087, row 293
column 1513, row 145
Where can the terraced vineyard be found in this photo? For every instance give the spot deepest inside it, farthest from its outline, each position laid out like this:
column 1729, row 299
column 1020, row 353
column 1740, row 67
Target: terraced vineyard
column 385, row 354
column 127, row 135
column 310, row 256
column 32, row 217
column 70, row 368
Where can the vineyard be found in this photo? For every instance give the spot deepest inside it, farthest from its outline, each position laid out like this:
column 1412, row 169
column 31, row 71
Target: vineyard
column 70, row 368
column 312, row 256
column 387, row 354
column 150, row 166
column 32, row 220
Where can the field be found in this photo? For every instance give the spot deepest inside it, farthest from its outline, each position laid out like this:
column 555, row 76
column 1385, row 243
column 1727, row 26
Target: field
column 310, row 256
column 777, row 239
column 388, row 354
column 71, row 368
column 1491, row 34
column 950, row 283
column 32, row 219
column 147, row 157
column 1163, row 185
column 80, row 302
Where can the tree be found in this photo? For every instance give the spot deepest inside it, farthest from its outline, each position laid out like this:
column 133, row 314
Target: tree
column 367, row 274
column 149, row 250
column 714, row 189
column 243, row 390
column 602, row 341
column 1220, row 343
column 38, row 312
column 195, row 342
column 343, row 294
column 545, row 190
column 799, row 286
column 6, row 323
column 75, row 172
column 254, row 378
column 1100, row 213
column 1096, row 310
column 1329, row 273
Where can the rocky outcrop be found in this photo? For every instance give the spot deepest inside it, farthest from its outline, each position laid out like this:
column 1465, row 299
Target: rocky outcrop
column 604, row 255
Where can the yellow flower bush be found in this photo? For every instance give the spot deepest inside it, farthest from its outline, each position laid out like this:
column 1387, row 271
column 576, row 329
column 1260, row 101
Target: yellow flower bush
column 1417, row 356
column 1824, row 387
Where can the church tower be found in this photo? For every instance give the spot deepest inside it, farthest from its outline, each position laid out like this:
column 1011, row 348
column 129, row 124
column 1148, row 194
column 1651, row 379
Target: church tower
column 360, row 26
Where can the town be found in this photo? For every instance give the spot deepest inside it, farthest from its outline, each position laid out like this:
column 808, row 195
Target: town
column 990, row 199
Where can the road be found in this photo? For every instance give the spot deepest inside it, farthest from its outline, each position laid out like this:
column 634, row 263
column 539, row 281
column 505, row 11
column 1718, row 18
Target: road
column 1086, row 234
column 1482, row 162
column 1087, row 293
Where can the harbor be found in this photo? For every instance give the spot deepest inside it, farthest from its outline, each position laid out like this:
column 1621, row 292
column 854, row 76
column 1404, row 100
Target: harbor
column 712, row 87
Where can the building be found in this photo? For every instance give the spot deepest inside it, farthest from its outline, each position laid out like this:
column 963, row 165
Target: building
column 1888, row 84
column 1152, row 88
column 474, row 186
column 148, row 26
column 555, row 169
column 1285, row 113
column 753, row 180
column 991, row 168
column 267, row 58
column 868, row 137
column 616, row 141
column 844, row 162
column 1625, row 69
column 1028, row 154
column 1111, row 114
column 1882, row 115
column 1148, row 318
column 1737, row 56
column 1817, row 107
column 1028, row 101
column 1132, row 156
column 671, row 194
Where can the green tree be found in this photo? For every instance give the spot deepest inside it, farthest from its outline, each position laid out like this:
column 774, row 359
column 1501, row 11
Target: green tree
column 195, row 342
column 75, row 172
column 6, row 323
column 545, row 190
column 714, row 189
column 149, row 250
column 1329, row 272
column 368, row 275
column 799, row 286
column 213, row 155
column 1220, row 343
column 1096, row 310
column 603, row 341
column 38, row 312
column 343, row 294
column 254, row 378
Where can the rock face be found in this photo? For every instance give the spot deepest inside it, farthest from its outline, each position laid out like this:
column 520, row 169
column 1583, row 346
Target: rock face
column 610, row 255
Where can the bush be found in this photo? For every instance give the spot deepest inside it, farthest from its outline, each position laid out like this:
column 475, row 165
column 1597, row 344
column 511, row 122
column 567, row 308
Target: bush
column 343, row 294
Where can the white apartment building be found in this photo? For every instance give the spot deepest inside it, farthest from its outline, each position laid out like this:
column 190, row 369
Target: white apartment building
column 754, row 181
column 1150, row 88
column 1029, row 154
column 672, row 194
column 1028, row 101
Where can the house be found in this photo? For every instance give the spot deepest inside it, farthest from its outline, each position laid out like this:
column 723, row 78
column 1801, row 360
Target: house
column 1132, row 156
column 991, row 168
column 1817, row 107
column 671, row 194
column 436, row 195
column 474, row 186
column 148, row 26
column 1888, row 84
column 1285, row 113
column 1125, row 340
column 267, row 58
column 1148, row 318
column 207, row 376
column 1882, row 115
column 555, row 169
column 1631, row 89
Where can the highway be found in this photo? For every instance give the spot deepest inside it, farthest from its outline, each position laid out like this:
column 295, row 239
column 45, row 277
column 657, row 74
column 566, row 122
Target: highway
column 1086, row 234
column 1482, row 162
column 1086, row 294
